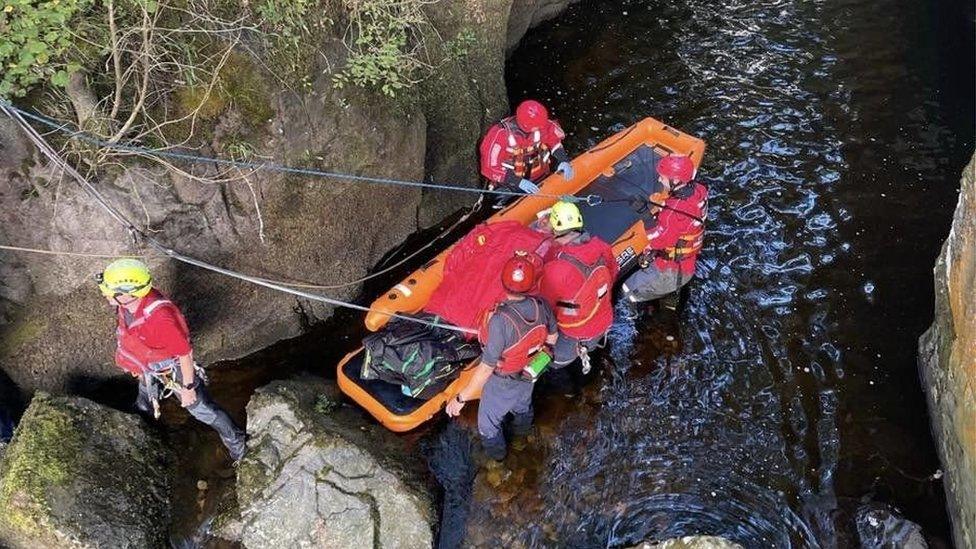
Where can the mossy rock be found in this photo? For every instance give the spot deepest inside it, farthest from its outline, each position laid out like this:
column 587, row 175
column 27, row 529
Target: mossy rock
column 77, row 474
column 18, row 334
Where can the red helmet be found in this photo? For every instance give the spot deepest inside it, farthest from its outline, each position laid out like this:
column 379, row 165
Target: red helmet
column 531, row 115
column 519, row 274
column 676, row 167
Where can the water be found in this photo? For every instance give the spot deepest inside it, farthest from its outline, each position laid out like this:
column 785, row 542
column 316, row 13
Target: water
column 836, row 131
column 787, row 396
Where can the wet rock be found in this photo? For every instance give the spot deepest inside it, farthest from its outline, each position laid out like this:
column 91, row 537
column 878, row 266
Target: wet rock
column 882, row 527
column 526, row 14
column 77, row 474
column 323, row 477
column 690, row 542
column 947, row 360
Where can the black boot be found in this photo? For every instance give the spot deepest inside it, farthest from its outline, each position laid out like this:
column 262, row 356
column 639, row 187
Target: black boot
column 671, row 301
column 495, row 448
column 522, row 424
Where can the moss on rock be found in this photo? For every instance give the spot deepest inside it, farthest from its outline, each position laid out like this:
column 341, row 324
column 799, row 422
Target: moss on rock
column 44, row 456
column 18, row 333
column 78, row 474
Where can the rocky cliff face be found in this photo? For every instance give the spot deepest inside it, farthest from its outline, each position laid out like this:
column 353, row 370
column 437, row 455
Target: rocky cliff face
column 77, row 474
column 55, row 330
column 948, row 362
column 320, row 476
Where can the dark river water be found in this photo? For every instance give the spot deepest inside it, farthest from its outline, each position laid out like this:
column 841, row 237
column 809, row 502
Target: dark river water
column 786, row 396
column 836, row 134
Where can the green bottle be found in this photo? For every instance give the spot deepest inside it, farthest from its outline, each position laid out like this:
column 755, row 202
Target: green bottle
column 537, row 365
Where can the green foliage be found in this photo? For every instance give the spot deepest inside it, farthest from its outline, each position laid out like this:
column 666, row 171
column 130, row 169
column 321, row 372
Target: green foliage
column 287, row 17
column 290, row 23
column 459, row 46
column 238, row 149
column 34, row 38
column 387, row 48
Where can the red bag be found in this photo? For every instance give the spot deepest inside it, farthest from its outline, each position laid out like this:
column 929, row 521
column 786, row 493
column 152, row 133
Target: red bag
column 472, row 284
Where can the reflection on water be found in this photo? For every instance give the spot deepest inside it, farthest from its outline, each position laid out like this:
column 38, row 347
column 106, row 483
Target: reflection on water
column 787, row 392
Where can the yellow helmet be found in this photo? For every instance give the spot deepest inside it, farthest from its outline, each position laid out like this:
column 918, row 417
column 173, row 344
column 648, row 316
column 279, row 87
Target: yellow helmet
column 565, row 216
column 125, row 276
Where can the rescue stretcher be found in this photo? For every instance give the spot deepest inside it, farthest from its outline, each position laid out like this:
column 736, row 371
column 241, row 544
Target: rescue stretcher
column 619, row 170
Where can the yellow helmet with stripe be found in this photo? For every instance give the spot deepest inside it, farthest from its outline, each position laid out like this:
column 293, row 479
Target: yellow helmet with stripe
column 125, row 276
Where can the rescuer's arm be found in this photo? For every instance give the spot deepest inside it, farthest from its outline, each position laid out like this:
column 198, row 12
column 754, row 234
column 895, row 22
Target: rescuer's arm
column 490, row 356
column 551, row 325
column 187, row 396
column 559, row 153
column 669, row 229
column 474, row 386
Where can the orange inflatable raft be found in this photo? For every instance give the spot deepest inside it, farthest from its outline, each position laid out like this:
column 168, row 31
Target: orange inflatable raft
column 619, row 170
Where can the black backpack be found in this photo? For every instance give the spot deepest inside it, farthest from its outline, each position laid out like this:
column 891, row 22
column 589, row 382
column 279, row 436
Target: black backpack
column 421, row 359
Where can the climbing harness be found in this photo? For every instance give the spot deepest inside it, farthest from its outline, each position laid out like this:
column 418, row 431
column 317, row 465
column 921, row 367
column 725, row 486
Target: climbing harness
column 161, row 382
column 529, row 160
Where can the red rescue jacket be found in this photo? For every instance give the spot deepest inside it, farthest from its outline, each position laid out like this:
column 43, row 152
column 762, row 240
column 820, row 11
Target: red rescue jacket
column 133, row 354
column 506, row 147
column 676, row 239
column 530, row 337
column 577, row 283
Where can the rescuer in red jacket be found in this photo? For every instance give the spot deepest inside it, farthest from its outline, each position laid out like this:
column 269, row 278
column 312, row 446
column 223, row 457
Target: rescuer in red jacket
column 577, row 280
column 154, row 346
column 674, row 238
column 514, row 333
column 516, row 152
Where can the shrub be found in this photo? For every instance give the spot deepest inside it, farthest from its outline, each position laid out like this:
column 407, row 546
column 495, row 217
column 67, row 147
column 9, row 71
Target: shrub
column 34, row 38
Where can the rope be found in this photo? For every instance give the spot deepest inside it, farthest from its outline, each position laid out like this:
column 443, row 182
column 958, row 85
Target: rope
column 135, row 232
column 387, row 269
column 655, row 204
column 72, row 254
column 591, row 199
column 354, row 282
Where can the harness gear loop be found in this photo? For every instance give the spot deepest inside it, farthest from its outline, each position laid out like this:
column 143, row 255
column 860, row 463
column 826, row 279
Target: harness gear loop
column 687, row 244
column 594, row 200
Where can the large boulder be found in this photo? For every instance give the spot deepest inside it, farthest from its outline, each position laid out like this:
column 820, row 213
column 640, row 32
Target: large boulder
column 77, row 474
column 947, row 360
column 318, row 475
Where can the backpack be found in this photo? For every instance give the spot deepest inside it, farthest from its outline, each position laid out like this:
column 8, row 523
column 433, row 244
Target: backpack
column 421, row 359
